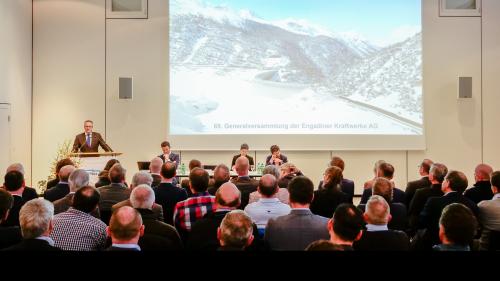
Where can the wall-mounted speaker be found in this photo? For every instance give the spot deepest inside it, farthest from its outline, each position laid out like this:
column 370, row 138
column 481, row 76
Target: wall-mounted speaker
column 464, row 87
column 126, row 88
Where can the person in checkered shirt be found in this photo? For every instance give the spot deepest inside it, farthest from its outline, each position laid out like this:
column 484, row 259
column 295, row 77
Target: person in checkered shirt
column 187, row 212
column 76, row 229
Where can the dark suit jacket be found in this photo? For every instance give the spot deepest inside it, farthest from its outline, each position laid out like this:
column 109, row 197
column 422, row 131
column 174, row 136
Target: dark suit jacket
column 185, row 186
column 479, row 192
column 203, row 235
column 63, row 204
column 282, row 157
column 57, row 192
column 429, row 218
column 398, row 196
column 294, row 232
column 156, row 180
column 326, row 201
column 246, row 186
column 399, row 215
column 284, row 181
column 13, row 218
column 250, row 160
column 161, row 229
column 112, row 194
column 391, row 240
column 116, row 249
column 347, row 186
column 52, row 183
column 80, row 143
column 32, row 245
column 30, row 193
column 10, row 236
column 157, row 208
column 172, row 158
column 413, row 186
column 418, row 202
column 168, row 195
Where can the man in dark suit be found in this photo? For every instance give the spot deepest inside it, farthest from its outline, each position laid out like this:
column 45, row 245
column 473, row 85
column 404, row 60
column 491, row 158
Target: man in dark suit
column 167, row 194
column 13, row 183
column 347, row 186
column 481, row 190
column 294, row 232
column 346, row 226
column 457, row 227
column 125, row 228
column 114, row 193
column 142, row 199
column 437, row 174
column 169, row 156
column 9, row 235
column 89, row 141
column 36, row 225
column 453, row 186
column 399, row 218
column 378, row 236
column 193, row 164
column 28, row 192
column 276, row 158
column 413, row 186
column 385, row 170
column 62, row 188
column 221, row 176
column 245, row 184
column 243, row 152
column 235, row 232
column 155, row 170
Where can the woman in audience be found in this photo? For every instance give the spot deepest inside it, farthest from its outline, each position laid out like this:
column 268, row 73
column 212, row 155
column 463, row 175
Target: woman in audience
column 103, row 176
column 369, row 183
column 327, row 200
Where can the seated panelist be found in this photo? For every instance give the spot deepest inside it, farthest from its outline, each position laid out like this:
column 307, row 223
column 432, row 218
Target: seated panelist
column 243, row 152
column 276, row 158
column 89, row 141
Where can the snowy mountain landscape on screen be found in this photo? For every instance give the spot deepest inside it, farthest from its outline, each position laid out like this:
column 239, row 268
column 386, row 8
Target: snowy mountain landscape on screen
column 234, row 73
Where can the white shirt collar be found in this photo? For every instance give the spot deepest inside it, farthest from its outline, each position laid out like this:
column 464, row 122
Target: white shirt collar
column 48, row 239
column 496, row 196
column 375, row 228
column 269, row 200
column 127, row 246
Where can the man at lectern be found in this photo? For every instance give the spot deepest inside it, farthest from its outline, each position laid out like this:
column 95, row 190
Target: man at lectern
column 89, row 141
column 168, row 155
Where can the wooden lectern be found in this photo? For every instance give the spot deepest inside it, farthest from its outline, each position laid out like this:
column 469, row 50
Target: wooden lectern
column 94, row 162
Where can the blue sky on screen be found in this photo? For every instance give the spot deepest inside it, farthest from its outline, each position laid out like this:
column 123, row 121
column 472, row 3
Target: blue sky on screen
column 379, row 21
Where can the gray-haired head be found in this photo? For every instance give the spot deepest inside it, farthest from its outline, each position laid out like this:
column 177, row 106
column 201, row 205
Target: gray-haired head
column 141, row 178
column 236, row 229
column 78, row 179
column 142, row 197
column 65, row 172
column 271, row 170
column 35, row 218
column 155, row 165
column 377, row 210
column 15, row 167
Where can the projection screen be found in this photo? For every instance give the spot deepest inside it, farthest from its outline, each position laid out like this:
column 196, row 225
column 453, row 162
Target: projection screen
column 307, row 75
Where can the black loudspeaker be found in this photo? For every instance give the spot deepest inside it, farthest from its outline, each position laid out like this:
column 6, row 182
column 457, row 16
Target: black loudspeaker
column 464, row 87
column 126, row 88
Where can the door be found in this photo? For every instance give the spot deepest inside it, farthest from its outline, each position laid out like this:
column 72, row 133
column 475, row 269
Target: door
column 4, row 137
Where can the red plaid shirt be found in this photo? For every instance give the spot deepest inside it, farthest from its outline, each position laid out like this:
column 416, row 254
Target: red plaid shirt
column 187, row 212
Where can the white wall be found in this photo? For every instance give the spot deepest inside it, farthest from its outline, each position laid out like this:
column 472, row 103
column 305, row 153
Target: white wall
column 15, row 76
column 139, row 48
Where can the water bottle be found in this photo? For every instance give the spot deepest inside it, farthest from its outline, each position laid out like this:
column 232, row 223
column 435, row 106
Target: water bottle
column 183, row 169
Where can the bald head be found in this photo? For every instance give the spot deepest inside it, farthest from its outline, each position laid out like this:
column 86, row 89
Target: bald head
column 155, row 165
column 228, row 196
column 242, row 166
column 18, row 167
column 268, row 186
column 125, row 225
column 483, row 172
column 65, row 172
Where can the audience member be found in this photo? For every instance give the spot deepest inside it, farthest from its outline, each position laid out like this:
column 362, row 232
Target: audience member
column 9, row 235
column 323, row 246
column 77, row 179
column 482, row 188
column 125, row 228
column 187, row 212
column 347, row 186
column 142, row 199
column 288, row 171
column 269, row 206
column 457, row 227
column 235, row 232
column 221, row 176
column 155, row 170
column 185, row 183
column 13, row 183
column 245, row 184
column 330, row 196
column 386, row 170
column 62, row 188
column 141, row 178
column 104, row 174
column 283, row 194
column 294, row 232
column 489, row 213
column 28, row 193
column 243, row 153
column 76, row 229
column 346, row 226
column 111, row 194
column 36, row 218
column 276, row 158
column 369, row 184
column 61, row 163
column 413, row 186
column 167, row 194
column 378, row 236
